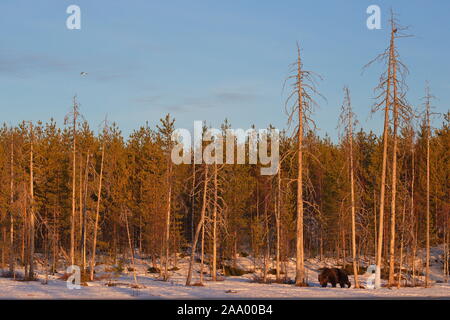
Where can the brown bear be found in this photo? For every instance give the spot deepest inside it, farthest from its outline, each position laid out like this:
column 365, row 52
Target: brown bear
column 334, row 276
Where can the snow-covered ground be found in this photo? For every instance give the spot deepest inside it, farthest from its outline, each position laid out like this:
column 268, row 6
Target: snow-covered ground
column 231, row 288
column 241, row 288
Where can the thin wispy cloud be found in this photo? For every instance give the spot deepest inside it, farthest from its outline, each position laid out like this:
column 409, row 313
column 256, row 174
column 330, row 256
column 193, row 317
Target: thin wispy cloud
column 235, row 97
column 217, row 98
column 147, row 100
column 31, row 65
column 28, row 65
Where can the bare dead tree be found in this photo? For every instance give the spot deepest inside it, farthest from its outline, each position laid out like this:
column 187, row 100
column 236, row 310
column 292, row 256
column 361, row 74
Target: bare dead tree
column 348, row 122
column 401, row 112
column 11, row 212
column 74, row 116
column 168, row 217
column 199, row 227
column 427, row 104
column 99, row 196
column 125, row 214
column 385, row 87
column 278, row 221
column 215, row 208
column 303, row 87
column 32, row 214
column 84, row 224
column 391, row 97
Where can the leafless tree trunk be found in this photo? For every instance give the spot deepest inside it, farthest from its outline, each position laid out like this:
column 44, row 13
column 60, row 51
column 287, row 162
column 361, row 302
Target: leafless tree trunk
column 399, row 279
column 72, row 221
column 97, row 212
column 202, row 253
column 54, row 243
column 11, row 214
column 277, row 220
column 32, row 217
column 303, row 88
column 80, row 207
column 416, row 231
column 266, row 256
column 446, row 247
column 412, row 210
column 385, row 87
column 428, row 133
column 131, row 248
column 169, row 204
column 193, row 201
column 24, row 233
column 383, row 173
column 214, row 262
column 390, row 81
column 395, row 112
column 300, row 267
column 84, row 226
column 199, row 227
column 348, row 115
column 375, row 222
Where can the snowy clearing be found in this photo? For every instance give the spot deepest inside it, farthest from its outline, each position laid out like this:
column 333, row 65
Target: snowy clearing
column 118, row 286
column 240, row 287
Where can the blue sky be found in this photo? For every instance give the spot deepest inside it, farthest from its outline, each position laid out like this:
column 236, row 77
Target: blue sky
column 208, row 60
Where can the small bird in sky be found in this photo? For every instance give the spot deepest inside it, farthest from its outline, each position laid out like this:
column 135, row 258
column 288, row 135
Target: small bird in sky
column 83, row 73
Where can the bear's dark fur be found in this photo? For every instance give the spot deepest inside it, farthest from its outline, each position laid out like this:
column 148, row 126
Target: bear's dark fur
column 333, row 276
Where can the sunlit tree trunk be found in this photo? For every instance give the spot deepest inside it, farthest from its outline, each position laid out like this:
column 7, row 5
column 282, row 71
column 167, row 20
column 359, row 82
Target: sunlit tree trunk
column 31, row 215
column 84, row 226
column 300, row 267
column 428, row 134
column 11, row 214
column 352, row 189
column 72, row 218
column 202, row 253
column 446, row 248
column 80, row 207
column 266, row 251
column 97, row 212
column 167, row 233
column 214, row 261
column 199, row 227
column 394, row 177
column 399, row 279
column 415, row 222
column 130, row 245
column 387, row 102
column 277, row 221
